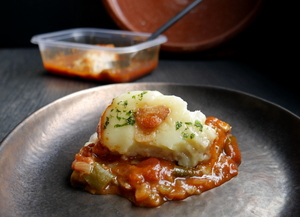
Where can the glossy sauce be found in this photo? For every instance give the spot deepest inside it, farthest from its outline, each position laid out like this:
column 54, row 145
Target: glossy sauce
column 150, row 181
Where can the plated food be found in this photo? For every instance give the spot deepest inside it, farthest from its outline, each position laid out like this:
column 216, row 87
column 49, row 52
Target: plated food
column 151, row 149
column 43, row 146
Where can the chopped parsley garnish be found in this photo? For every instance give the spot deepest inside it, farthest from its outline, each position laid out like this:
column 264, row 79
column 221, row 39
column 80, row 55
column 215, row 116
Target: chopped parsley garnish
column 118, row 114
column 106, row 122
column 126, row 117
column 185, row 132
column 199, row 125
column 185, row 135
column 192, row 135
column 128, row 121
column 178, row 125
column 139, row 96
column 123, row 103
column 129, row 113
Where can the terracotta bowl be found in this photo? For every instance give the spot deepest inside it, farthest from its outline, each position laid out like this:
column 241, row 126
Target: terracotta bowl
column 209, row 24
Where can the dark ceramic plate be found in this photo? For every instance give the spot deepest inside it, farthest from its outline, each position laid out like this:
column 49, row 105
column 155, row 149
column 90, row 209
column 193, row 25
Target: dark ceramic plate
column 36, row 157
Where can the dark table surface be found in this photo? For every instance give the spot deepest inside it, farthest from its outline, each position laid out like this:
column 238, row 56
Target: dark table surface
column 259, row 61
column 25, row 86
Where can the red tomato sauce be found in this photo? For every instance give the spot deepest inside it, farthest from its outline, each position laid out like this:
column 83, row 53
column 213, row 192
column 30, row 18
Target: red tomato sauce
column 149, row 182
column 136, row 69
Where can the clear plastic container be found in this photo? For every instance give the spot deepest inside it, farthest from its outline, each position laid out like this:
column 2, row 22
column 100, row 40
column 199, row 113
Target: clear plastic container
column 105, row 55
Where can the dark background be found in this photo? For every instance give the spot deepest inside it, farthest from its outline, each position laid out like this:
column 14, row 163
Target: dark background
column 267, row 43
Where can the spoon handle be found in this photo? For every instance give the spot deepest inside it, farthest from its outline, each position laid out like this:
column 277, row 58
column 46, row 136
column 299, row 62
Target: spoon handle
column 174, row 19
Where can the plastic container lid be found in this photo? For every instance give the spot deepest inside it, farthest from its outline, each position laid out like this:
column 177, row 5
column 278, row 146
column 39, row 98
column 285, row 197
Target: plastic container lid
column 59, row 38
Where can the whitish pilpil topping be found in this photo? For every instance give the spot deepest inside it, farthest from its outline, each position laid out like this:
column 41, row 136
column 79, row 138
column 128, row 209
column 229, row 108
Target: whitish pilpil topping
column 95, row 61
column 151, row 124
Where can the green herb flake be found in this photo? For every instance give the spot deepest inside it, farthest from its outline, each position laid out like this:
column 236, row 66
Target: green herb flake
column 129, row 113
column 106, row 122
column 128, row 121
column 118, row 117
column 178, row 125
column 199, row 125
column 123, row 103
column 188, row 123
column 192, row 135
column 185, row 135
column 141, row 95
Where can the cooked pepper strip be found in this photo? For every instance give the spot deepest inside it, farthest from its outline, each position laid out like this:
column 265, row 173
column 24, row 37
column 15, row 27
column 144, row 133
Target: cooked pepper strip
column 99, row 177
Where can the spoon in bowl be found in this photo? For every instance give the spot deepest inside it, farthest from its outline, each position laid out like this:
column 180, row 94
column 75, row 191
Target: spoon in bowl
column 173, row 20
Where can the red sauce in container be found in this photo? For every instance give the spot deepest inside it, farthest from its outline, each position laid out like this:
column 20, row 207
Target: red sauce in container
column 130, row 73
